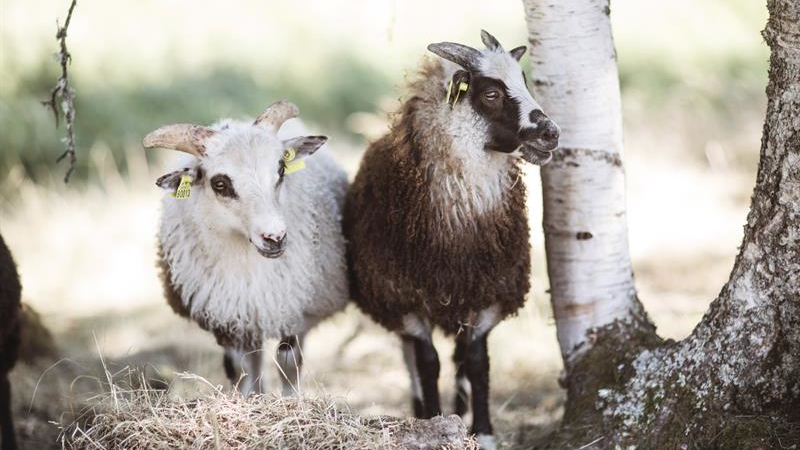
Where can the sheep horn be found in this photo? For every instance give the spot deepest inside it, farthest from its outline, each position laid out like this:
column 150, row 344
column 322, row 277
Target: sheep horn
column 464, row 56
column 183, row 137
column 273, row 117
column 490, row 41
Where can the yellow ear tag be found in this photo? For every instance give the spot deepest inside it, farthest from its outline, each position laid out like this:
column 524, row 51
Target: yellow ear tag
column 290, row 165
column 449, row 91
column 462, row 87
column 184, row 188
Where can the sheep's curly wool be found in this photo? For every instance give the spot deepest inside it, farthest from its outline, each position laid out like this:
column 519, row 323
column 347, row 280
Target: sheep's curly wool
column 223, row 284
column 436, row 225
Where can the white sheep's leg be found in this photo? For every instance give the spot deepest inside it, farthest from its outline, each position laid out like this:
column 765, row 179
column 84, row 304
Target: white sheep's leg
column 290, row 363
column 423, row 366
column 244, row 370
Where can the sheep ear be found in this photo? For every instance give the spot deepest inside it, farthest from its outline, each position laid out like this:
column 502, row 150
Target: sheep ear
column 183, row 137
column 490, row 41
column 454, row 86
column 464, row 56
column 170, row 181
column 518, row 52
column 305, row 145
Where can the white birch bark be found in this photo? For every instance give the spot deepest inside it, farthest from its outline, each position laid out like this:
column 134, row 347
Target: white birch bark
column 575, row 79
column 735, row 381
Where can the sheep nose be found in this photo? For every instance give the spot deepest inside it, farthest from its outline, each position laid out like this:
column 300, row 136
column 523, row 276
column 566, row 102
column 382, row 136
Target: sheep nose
column 550, row 132
column 273, row 238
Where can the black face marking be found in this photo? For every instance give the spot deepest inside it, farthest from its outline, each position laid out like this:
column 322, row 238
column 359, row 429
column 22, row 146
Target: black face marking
column 281, row 172
column 537, row 115
column 222, row 185
column 173, row 179
column 490, row 99
column 544, row 129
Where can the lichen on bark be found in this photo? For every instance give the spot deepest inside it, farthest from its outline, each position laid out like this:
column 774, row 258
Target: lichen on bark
column 735, row 381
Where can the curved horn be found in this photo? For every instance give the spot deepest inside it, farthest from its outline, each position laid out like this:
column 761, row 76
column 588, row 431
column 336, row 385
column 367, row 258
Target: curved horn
column 183, row 137
column 464, row 56
column 490, row 41
column 273, row 117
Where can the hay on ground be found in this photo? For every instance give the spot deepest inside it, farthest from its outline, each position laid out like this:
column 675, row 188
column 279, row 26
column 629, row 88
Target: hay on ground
column 140, row 418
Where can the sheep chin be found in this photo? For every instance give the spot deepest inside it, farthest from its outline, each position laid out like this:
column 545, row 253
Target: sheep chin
column 536, row 156
column 272, row 254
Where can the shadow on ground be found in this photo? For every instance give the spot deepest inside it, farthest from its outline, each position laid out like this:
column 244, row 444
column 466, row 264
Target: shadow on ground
column 348, row 358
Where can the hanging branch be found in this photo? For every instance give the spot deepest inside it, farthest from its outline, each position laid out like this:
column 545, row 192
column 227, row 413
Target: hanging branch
column 65, row 93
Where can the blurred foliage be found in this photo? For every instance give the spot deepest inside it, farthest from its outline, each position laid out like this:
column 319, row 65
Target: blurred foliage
column 118, row 117
column 705, row 78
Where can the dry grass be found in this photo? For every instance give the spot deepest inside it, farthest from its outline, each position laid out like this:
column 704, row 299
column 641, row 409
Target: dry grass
column 141, row 417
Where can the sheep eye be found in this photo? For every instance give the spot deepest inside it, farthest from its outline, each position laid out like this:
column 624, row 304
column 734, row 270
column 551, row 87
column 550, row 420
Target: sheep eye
column 222, row 186
column 491, row 95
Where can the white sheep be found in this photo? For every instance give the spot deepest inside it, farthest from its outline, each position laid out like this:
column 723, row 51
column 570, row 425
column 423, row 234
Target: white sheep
column 250, row 243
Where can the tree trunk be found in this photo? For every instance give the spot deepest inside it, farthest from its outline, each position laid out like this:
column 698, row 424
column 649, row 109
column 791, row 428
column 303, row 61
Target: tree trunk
column 735, row 381
column 586, row 234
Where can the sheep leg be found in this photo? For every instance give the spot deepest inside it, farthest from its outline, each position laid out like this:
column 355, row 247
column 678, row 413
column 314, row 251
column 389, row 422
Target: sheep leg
column 244, row 370
column 7, row 437
column 410, row 358
column 478, row 374
column 290, row 363
column 463, row 387
column 424, row 371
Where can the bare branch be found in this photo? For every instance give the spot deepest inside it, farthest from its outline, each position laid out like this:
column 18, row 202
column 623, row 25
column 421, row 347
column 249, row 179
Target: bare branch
column 64, row 92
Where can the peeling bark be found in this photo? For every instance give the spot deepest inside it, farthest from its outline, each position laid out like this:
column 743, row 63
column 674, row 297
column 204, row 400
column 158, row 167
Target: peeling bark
column 735, row 381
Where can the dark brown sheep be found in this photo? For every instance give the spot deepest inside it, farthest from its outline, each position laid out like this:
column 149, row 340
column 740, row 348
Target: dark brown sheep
column 9, row 340
column 436, row 221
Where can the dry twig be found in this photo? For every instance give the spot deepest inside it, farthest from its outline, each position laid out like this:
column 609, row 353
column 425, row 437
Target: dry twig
column 64, row 92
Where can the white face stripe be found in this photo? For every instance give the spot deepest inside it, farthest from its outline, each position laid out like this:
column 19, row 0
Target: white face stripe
column 501, row 65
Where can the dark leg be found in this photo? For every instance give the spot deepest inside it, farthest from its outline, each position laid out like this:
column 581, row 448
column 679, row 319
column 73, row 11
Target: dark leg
column 290, row 363
column 231, row 368
column 7, row 436
column 426, row 361
column 478, row 374
column 462, row 383
column 428, row 364
column 410, row 358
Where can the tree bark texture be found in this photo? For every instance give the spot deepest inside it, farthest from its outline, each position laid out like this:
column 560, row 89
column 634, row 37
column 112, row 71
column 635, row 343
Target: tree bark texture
column 586, row 236
column 734, row 383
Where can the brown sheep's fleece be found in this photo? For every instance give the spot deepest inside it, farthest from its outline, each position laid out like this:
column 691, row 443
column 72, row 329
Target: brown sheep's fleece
column 402, row 259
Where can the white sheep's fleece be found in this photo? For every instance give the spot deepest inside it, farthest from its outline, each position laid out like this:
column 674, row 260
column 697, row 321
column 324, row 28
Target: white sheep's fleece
column 230, row 285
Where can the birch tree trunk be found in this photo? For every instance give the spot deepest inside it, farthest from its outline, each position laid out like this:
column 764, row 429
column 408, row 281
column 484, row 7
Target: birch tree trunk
column 575, row 78
column 734, row 383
